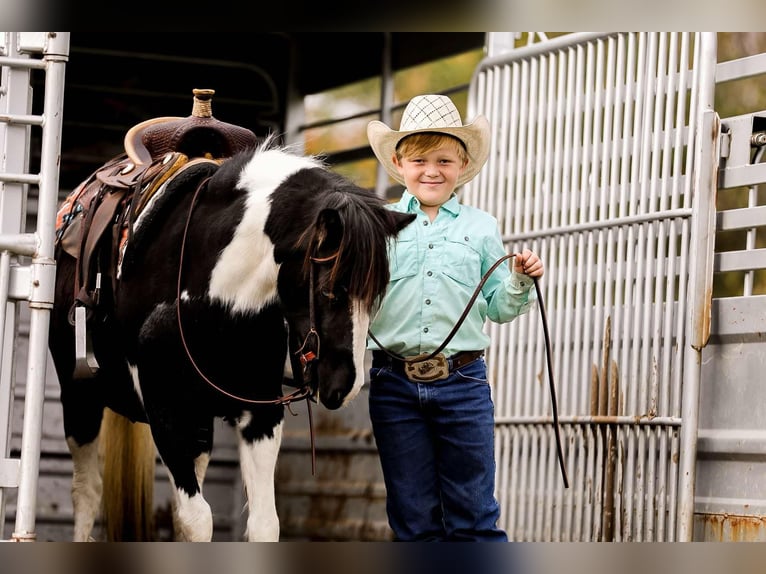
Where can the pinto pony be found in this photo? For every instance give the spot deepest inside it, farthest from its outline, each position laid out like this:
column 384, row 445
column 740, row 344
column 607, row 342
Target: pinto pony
column 230, row 270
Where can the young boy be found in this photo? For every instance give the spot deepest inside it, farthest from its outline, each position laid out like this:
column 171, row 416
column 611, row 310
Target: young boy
column 433, row 421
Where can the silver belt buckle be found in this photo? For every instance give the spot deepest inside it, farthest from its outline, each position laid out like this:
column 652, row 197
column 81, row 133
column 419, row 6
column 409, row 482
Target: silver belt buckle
column 419, row 369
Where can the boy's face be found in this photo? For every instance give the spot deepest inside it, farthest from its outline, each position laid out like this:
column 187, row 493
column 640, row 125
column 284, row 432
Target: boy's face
column 431, row 176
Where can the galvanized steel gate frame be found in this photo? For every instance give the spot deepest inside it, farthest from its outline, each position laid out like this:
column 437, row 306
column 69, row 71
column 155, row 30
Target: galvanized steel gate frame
column 603, row 160
column 27, row 267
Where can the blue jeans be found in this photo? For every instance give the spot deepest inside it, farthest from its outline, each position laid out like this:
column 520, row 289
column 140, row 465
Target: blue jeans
column 436, row 446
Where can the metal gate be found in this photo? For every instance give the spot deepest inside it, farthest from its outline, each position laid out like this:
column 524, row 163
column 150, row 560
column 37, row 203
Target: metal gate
column 27, row 268
column 603, row 161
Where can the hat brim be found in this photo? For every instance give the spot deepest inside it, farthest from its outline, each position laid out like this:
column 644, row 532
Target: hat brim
column 134, row 145
column 474, row 135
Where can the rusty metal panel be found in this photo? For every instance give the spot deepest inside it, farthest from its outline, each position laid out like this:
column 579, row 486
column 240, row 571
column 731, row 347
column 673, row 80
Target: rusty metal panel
column 730, row 501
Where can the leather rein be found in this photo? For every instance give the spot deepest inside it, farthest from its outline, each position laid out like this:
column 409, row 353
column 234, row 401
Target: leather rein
column 306, row 356
column 544, row 318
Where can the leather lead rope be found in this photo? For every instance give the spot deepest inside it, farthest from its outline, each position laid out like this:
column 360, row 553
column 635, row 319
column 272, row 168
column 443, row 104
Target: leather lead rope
column 548, row 353
column 554, row 407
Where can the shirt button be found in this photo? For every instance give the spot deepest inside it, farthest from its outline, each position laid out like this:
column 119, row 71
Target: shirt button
column 428, row 301
column 430, row 245
column 430, row 273
column 425, row 330
column 425, row 223
column 466, row 238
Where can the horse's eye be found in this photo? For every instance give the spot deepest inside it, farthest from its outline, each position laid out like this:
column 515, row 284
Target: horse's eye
column 329, row 294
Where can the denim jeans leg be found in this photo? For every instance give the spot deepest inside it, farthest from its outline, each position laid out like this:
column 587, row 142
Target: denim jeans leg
column 436, row 447
column 406, row 449
column 465, row 425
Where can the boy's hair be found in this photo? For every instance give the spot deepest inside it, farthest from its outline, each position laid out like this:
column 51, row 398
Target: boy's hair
column 420, row 143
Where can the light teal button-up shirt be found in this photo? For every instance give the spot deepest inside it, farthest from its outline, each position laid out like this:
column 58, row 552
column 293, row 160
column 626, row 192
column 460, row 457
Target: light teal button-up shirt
column 435, row 268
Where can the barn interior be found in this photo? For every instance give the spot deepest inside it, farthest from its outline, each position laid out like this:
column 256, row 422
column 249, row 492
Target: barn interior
column 115, row 80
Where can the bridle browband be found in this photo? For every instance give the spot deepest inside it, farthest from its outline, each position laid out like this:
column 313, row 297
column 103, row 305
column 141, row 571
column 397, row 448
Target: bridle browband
column 307, row 358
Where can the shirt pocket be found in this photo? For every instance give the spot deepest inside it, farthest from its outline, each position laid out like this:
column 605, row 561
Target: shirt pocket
column 463, row 263
column 404, row 258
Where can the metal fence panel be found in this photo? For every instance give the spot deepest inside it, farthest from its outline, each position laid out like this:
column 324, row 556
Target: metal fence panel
column 591, row 166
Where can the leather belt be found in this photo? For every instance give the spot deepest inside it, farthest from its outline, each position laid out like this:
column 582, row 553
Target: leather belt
column 381, row 359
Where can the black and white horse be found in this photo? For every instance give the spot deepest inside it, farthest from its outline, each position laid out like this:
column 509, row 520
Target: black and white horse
column 229, row 271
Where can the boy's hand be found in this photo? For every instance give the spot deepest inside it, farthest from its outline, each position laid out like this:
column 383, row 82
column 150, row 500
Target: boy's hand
column 528, row 263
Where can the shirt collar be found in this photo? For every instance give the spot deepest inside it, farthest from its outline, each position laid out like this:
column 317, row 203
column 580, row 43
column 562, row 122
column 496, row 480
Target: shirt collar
column 411, row 203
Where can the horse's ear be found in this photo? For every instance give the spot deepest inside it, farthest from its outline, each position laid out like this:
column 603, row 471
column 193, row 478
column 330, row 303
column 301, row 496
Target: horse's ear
column 399, row 221
column 329, row 230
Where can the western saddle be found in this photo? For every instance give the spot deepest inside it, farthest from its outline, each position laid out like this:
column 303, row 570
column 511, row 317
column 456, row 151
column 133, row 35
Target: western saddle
column 95, row 221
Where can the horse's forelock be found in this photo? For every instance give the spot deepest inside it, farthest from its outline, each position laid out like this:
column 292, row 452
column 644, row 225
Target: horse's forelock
column 363, row 249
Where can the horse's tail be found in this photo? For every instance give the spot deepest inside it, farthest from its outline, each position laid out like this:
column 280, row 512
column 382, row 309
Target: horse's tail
column 129, row 460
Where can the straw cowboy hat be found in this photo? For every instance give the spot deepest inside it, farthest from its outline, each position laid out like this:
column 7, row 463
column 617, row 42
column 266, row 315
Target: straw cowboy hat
column 436, row 114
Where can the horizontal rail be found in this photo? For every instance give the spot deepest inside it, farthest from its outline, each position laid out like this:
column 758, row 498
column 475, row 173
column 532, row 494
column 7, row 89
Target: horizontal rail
column 33, row 179
column 740, row 68
column 603, row 224
column 745, row 260
column 743, row 218
column 21, row 119
column 629, row 420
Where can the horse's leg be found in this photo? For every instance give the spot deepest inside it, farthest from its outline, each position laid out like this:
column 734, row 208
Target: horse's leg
column 185, row 450
column 192, row 516
column 86, row 487
column 258, row 460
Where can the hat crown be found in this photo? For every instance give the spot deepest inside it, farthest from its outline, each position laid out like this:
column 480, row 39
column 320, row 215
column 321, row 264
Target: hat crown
column 430, row 112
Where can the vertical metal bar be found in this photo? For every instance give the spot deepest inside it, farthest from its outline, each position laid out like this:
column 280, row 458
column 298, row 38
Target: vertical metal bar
column 751, row 234
column 14, row 145
column 538, row 482
column 632, row 292
column 700, row 274
column 502, row 456
column 523, row 484
column 663, row 311
column 43, row 275
column 557, row 97
column 6, row 389
column 514, row 530
column 539, row 206
column 685, row 142
column 653, row 298
column 573, row 137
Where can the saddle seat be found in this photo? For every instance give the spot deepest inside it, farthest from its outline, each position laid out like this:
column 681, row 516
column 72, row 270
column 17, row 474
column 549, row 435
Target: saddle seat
column 95, row 221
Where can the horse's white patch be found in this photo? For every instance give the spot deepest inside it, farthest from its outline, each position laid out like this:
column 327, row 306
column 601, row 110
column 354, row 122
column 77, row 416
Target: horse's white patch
column 245, row 276
column 86, row 487
column 360, row 324
column 192, row 515
column 136, row 383
column 194, row 518
column 258, row 460
column 200, row 467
